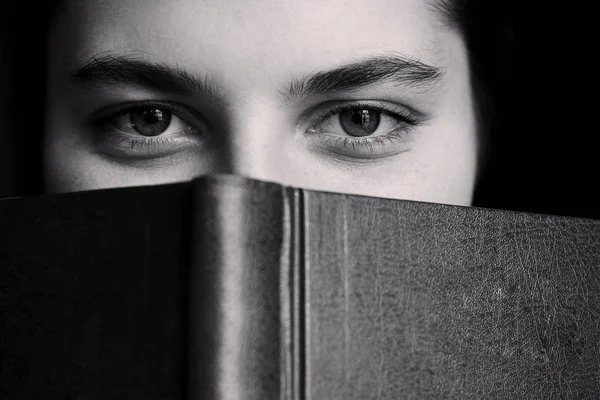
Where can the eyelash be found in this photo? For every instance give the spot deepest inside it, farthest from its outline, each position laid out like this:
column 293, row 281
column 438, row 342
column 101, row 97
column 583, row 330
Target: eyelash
column 392, row 111
column 134, row 142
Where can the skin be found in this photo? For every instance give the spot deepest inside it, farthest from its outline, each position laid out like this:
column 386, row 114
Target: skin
column 251, row 52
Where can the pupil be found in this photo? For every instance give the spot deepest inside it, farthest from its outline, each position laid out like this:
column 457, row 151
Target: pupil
column 153, row 116
column 360, row 117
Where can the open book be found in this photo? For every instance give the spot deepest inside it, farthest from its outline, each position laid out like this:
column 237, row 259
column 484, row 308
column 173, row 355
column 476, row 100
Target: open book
column 230, row 288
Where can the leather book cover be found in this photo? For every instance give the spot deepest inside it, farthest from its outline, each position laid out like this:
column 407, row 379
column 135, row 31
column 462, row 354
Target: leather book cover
column 408, row 300
column 237, row 346
column 93, row 294
column 231, row 288
column 354, row 297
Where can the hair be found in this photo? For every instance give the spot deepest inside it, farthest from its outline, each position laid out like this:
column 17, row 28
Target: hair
column 486, row 28
column 453, row 12
column 23, row 76
column 24, row 68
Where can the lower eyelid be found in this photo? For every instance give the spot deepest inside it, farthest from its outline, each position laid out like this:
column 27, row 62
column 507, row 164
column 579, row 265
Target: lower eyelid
column 392, row 143
column 125, row 146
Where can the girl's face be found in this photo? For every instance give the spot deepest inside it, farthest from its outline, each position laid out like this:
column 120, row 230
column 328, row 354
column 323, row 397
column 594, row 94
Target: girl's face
column 370, row 98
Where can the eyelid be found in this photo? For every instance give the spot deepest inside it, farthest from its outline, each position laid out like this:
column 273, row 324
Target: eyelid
column 180, row 110
column 330, row 108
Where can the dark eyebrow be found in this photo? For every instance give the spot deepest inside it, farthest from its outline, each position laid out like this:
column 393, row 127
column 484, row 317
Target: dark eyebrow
column 396, row 69
column 115, row 69
column 112, row 69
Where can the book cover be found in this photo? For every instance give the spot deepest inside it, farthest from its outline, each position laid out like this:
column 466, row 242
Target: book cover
column 231, row 288
column 93, row 294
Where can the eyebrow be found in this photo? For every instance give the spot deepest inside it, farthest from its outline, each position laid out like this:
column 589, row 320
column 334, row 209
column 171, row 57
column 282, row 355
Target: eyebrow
column 396, row 69
column 113, row 69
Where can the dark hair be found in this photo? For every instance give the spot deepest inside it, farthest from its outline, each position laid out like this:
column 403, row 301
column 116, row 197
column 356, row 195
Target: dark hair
column 458, row 15
column 453, row 12
column 22, row 98
column 484, row 26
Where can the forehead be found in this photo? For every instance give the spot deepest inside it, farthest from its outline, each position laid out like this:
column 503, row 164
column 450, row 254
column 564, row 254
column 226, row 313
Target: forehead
column 266, row 34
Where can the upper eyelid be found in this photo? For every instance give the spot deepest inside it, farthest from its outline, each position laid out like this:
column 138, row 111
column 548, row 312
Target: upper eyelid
column 180, row 110
column 404, row 112
column 382, row 109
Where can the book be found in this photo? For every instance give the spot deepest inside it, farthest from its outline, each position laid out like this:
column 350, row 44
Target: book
column 232, row 288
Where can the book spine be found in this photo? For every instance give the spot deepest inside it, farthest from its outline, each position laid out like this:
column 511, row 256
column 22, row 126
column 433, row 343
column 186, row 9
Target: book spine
column 237, row 291
column 297, row 382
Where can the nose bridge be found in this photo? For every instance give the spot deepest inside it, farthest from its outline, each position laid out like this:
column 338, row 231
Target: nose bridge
column 254, row 143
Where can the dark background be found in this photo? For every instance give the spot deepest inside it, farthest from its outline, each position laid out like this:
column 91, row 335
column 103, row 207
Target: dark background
column 542, row 157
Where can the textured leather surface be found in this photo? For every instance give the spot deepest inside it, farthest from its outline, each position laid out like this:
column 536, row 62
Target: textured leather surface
column 236, row 345
column 92, row 294
column 408, row 300
column 292, row 294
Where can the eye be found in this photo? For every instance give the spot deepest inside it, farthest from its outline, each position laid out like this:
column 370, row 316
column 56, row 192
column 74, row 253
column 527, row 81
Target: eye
column 358, row 122
column 147, row 130
column 364, row 130
column 150, row 121
column 363, row 120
